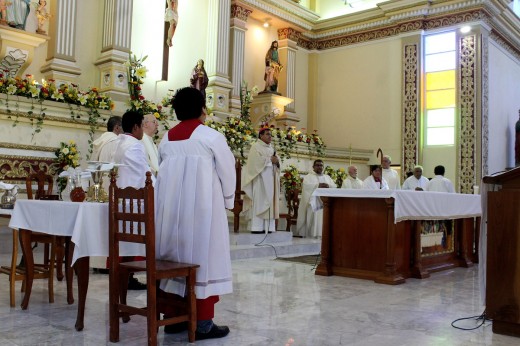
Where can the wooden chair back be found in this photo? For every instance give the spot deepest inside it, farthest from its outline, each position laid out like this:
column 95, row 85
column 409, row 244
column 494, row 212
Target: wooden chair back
column 293, row 202
column 131, row 219
column 42, row 180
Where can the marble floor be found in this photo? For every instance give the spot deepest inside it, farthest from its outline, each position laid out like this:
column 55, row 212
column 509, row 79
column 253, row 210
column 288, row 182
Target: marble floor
column 276, row 303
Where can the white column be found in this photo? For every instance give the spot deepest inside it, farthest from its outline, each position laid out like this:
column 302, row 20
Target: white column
column 115, row 47
column 287, row 46
column 217, row 59
column 61, row 52
column 239, row 17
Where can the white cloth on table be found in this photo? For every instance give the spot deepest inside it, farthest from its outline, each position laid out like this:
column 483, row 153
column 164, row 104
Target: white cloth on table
column 440, row 184
column 392, row 178
column 411, row 183
column 86, row 223
column 310, row 213
column 195, row 184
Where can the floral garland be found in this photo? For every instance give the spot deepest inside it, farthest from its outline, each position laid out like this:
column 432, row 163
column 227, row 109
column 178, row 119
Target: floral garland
column 136, row 73
column 337, row 175
column 48, row 90
column 291, row 179
column 238, row 131
column 66, row 156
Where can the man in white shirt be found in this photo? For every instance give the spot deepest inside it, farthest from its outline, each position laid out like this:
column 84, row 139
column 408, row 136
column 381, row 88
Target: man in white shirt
column 390, row 175
column 352, row 181
column 261, row 183
column 310, row 213
column 439, row 183
column 416, row 182
column 150, row 125
column 375, row 181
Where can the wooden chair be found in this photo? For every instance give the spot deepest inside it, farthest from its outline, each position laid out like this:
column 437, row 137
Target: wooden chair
column 45, row 271
column 131, row 219
column 293, row 202
column 42, row 180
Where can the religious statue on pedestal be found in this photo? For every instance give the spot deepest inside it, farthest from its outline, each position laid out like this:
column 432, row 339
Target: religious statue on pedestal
column 517, row 141
column 172, row 18
column 43, row 16
column 272, row 69
column 14, row 13
column 199, row 79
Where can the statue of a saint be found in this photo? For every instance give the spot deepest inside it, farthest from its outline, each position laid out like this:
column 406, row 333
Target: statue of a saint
column 3, row 12
column 42, row 15
column 199, row 79
column 17, row 13
column 517, row 141
column 172, row 18
column 272, row 69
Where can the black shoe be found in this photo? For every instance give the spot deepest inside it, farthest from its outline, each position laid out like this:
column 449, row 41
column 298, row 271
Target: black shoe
column 101, row 270
column 135, row 285
column 257, row 232
column 176, row 328
column 214, row 333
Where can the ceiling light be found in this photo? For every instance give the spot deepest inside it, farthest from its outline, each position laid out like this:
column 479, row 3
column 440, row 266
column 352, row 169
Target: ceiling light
column 465, row 29
column 266, row 24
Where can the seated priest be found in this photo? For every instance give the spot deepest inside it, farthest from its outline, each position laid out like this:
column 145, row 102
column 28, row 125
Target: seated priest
column 310, row 211
column 416, row 182
column 150, row 125
column 439, row 183
column 352, row 181
column 375, row 180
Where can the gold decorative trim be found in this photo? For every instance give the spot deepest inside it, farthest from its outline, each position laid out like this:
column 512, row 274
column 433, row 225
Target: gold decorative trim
column 410, row 107
column 240, row 12
column 485, row 106
column 468, row 109
column 26, row 147
column 288, row 33
column 35, row 116
column 17, row 168
column 505, row 44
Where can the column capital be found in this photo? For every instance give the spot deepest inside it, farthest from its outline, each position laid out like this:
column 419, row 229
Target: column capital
column 240, row 12
column 288, row 34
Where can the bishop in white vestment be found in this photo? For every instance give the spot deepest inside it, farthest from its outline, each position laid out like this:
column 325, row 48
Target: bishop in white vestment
column 261, row 183
column 352, row 181
column 310, row 211
column 374, row 181
column 150, row 125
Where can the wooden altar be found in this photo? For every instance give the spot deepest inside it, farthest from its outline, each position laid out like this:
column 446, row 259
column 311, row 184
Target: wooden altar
column 363, row 237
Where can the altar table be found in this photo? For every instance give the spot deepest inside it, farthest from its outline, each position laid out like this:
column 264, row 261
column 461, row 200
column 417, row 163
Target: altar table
column 373, row 234
column 86, row 224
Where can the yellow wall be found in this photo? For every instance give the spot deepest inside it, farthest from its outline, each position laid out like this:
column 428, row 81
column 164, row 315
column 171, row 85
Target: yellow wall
column 358, row 97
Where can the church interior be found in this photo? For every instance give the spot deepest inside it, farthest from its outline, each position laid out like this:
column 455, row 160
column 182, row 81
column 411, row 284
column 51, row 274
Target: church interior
column 425, row 82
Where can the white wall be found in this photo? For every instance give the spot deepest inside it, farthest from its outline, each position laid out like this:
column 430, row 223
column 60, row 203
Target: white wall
column 504, row 105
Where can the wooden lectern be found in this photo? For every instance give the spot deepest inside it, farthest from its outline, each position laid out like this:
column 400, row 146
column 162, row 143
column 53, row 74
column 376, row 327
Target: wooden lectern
column 503, row 253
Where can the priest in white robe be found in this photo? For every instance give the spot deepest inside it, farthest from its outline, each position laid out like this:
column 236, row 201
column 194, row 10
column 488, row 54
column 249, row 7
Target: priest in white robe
column 310, row 211
column 375, row 181
column 439, row 183
column 261, row 183
column 352, row 181
column 113, row 130
column 150, row 125
column 416, row 182
column 195, row 186
column 390, row 175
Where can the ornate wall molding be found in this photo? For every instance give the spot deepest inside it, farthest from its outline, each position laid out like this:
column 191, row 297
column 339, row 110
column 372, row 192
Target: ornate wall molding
column 26, row 147
column 240, row 12
column 410, row 107
column 503, row 43
column 468, row 109
column 17, row 168
column 485, row 105
column 288, row 33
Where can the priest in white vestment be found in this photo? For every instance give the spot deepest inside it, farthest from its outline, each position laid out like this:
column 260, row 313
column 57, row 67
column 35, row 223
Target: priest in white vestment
column 310, row 211
column 416, row 182
column 390, row 175
column 261, row 183
column 352, row 181
column 195, row 186
column 375, row 181
column 439, row 183
column 150, row 125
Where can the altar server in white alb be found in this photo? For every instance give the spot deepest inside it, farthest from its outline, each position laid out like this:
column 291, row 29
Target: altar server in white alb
column 261, row 183
column 416, row 182
column 130, row 153
column 195, row 186
column 352, row 181
column 439, row 183
column 374, row 181
column 150, row 125
column 310, row 211
column 390, row 175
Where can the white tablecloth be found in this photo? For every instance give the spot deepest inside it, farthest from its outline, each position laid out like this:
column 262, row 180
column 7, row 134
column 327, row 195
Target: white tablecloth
column 417, row 205
column 86, row 223
column 7, row 212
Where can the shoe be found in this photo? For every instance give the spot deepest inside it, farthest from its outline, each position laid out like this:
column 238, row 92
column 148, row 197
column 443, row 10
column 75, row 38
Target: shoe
column 176, row 328
column 214, row 333
column 135, row 285
column 257, row 232
column 101, row 270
